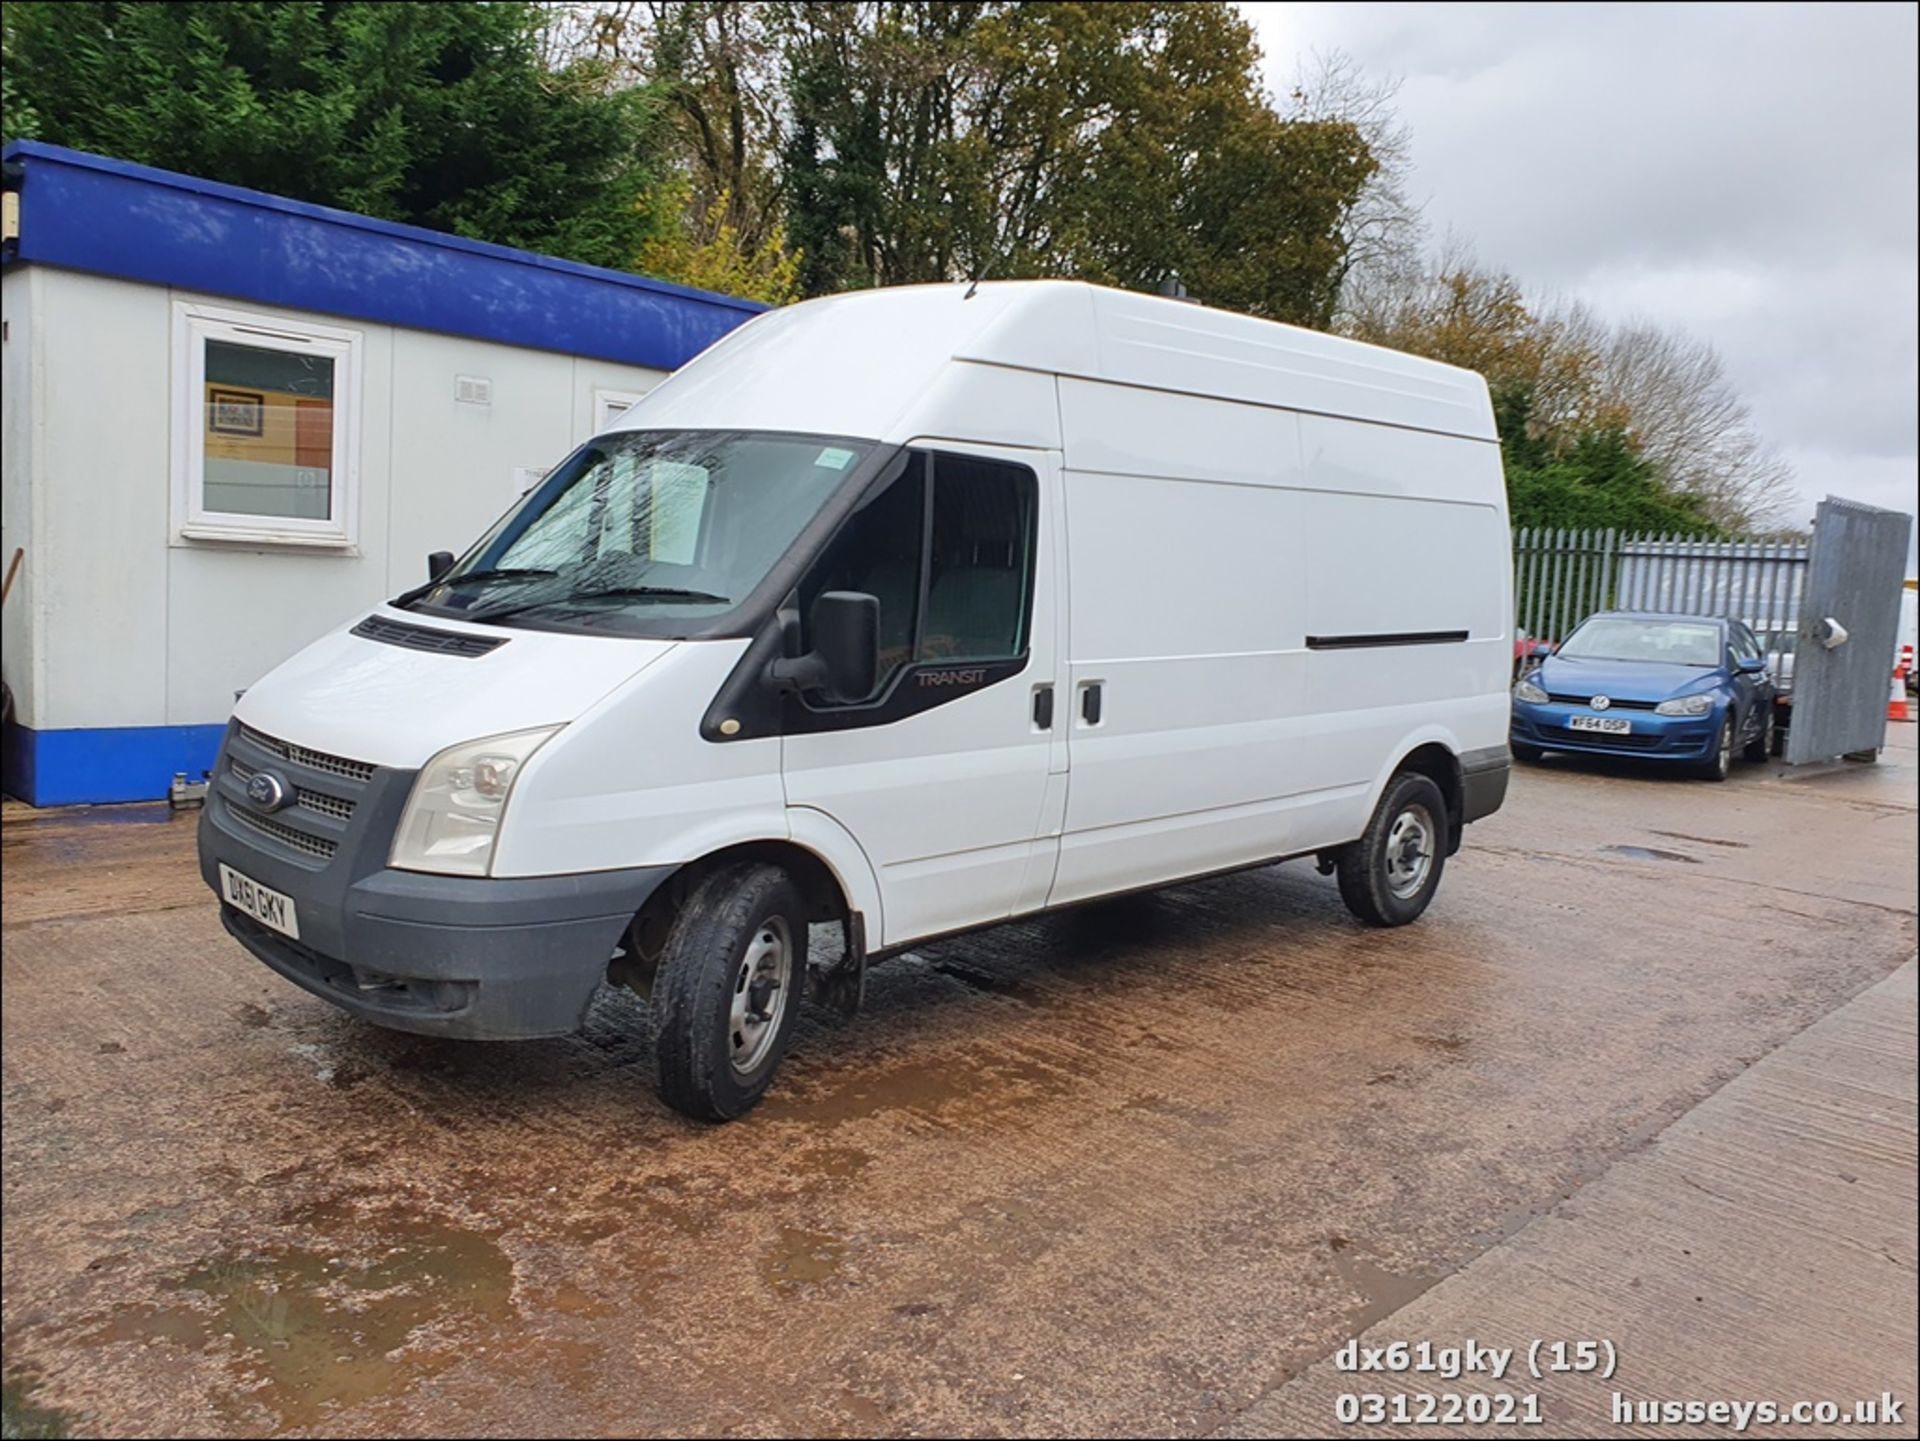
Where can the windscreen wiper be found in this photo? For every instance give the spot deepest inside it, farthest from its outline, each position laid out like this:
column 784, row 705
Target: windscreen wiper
column 655, row 592
column 647, row 592
column 501, row 573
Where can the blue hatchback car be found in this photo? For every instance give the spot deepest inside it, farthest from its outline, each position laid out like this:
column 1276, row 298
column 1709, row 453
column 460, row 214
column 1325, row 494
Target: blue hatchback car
column 1691, row 689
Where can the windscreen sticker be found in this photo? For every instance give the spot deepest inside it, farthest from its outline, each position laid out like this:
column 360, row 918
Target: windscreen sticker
column 833, row 458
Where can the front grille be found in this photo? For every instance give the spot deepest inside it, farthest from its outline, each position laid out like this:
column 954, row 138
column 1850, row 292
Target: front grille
column 1610, row 740
column 319, row 846
column 318, row 760
column 317, row 801
column 1617, row 703
column 420, row 637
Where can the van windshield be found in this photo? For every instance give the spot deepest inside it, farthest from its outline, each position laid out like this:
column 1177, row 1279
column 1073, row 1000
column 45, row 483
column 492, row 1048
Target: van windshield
column 650, row 525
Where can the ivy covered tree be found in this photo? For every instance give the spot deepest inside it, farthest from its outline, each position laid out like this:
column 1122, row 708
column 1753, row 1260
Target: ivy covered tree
column 438, row 114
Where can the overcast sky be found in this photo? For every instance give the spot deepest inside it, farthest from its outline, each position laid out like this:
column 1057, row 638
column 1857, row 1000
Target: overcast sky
column 1745, row 172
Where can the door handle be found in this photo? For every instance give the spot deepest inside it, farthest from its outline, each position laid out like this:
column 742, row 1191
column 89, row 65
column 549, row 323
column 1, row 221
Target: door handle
column 1090, row 702
column 1043, row 707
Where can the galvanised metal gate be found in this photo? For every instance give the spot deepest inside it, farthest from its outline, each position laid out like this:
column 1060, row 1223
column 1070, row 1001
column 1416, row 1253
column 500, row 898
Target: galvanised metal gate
column 1840, row 690
column 1560, row 577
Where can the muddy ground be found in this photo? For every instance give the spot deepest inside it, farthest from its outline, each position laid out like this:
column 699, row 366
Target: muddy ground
column 1123, row 1170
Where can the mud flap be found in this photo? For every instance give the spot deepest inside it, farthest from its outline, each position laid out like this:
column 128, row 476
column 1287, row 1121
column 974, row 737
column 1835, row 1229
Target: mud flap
column 841, row 988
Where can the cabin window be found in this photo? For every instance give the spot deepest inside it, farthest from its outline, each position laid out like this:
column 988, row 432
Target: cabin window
column 264, row 429
column 947, row 548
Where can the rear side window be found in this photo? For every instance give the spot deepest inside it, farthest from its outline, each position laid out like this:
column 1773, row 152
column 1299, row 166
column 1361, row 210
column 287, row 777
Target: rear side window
column 947, row 548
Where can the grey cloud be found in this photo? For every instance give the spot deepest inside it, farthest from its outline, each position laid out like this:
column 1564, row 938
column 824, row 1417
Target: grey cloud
column 1747, row 173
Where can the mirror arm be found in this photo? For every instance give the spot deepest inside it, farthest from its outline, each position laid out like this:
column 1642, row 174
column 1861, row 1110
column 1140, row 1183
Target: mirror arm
column 799, row 673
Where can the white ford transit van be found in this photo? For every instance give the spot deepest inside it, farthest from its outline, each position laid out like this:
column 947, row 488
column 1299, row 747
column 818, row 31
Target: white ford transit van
column 912, row 611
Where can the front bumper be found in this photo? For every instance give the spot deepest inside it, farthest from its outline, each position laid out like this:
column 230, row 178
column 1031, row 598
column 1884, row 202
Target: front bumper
column 1656, row 737
column 474, row 958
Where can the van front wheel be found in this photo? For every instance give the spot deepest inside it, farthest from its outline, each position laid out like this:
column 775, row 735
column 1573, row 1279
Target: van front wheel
column 728, row 991
column 1390, row 873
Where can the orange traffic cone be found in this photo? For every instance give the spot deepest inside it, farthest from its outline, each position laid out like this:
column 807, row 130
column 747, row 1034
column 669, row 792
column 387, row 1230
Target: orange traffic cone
column 1897, row 708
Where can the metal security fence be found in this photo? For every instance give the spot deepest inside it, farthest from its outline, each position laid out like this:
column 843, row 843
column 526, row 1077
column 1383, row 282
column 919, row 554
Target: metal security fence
column 1560, row 577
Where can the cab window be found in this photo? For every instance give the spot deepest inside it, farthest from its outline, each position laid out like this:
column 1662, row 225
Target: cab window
column 947, row 549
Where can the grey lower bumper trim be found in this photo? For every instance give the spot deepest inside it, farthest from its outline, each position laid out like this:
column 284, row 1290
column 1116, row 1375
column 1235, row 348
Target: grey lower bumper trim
column 483, row 959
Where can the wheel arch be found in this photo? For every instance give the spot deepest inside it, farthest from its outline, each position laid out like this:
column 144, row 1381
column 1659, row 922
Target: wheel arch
column 1436, row 757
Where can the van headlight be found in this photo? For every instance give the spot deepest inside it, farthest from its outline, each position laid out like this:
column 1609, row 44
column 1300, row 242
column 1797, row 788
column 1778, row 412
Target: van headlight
column 1685, row 705
column 1530, row 693
column 453, row 816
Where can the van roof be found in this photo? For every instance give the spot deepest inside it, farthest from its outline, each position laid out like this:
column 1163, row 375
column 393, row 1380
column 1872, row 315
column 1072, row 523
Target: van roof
column 856, row 364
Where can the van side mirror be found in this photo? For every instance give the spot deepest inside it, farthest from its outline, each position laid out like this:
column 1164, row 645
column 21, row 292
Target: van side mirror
column 439, row 562
column 845, row 659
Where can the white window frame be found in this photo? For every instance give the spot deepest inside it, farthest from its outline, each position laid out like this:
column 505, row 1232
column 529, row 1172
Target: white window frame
column 193, row 325
column 603, row 399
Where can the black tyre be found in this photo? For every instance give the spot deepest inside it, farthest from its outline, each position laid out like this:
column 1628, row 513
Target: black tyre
column 1719, row 761
column 1528, row 755
column 728, row 991
column 1390, row 873
column 1761, row 746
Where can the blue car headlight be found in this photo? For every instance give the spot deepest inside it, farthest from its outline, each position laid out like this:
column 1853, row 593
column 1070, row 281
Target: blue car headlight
column 1527, row 691
column 1691, row 705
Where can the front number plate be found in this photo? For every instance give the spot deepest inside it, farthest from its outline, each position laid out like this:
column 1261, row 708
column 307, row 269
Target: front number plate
column 1612, row 725
column 269, row 907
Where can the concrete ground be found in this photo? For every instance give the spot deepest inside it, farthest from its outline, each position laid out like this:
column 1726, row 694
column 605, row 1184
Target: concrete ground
column 1760, row 1250
column 1135, row 1169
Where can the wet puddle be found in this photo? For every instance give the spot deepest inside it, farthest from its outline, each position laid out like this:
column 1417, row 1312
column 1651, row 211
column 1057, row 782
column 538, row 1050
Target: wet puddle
column 1649, row 853
column 800, row 1259
column 1382, row 1292
column 19, row 1417
column 933, row 1085
column 318, row 1330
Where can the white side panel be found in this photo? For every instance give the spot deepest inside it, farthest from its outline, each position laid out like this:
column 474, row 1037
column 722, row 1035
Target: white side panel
column 21, row 406
column 1189, row 598
column 1149, row 341
column 989, row 404
column 455, row 463
column 1125, row 430
column 104, row 491
column 1345, row 455
column 1383, row 561
column 632, row 783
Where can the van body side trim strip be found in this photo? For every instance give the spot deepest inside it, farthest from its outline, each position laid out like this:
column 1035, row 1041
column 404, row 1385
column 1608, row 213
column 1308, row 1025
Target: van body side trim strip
column 1398, row 637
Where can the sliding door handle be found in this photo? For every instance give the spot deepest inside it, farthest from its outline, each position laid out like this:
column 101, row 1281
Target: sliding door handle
column 1090, row 702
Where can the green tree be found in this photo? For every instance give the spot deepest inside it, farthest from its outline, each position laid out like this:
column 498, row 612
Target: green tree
column 438, row 114
column 1595, row 479
column 1119, row 142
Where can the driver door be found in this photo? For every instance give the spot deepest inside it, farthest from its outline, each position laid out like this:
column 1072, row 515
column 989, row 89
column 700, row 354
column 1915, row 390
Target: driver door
column 952, row 775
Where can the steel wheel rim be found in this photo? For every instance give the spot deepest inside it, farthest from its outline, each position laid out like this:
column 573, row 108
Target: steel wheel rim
column 1409, row 851
column 762, row 983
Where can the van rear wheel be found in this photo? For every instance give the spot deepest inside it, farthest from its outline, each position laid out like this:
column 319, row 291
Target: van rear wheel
column 1388, row 876
column 728, row 991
